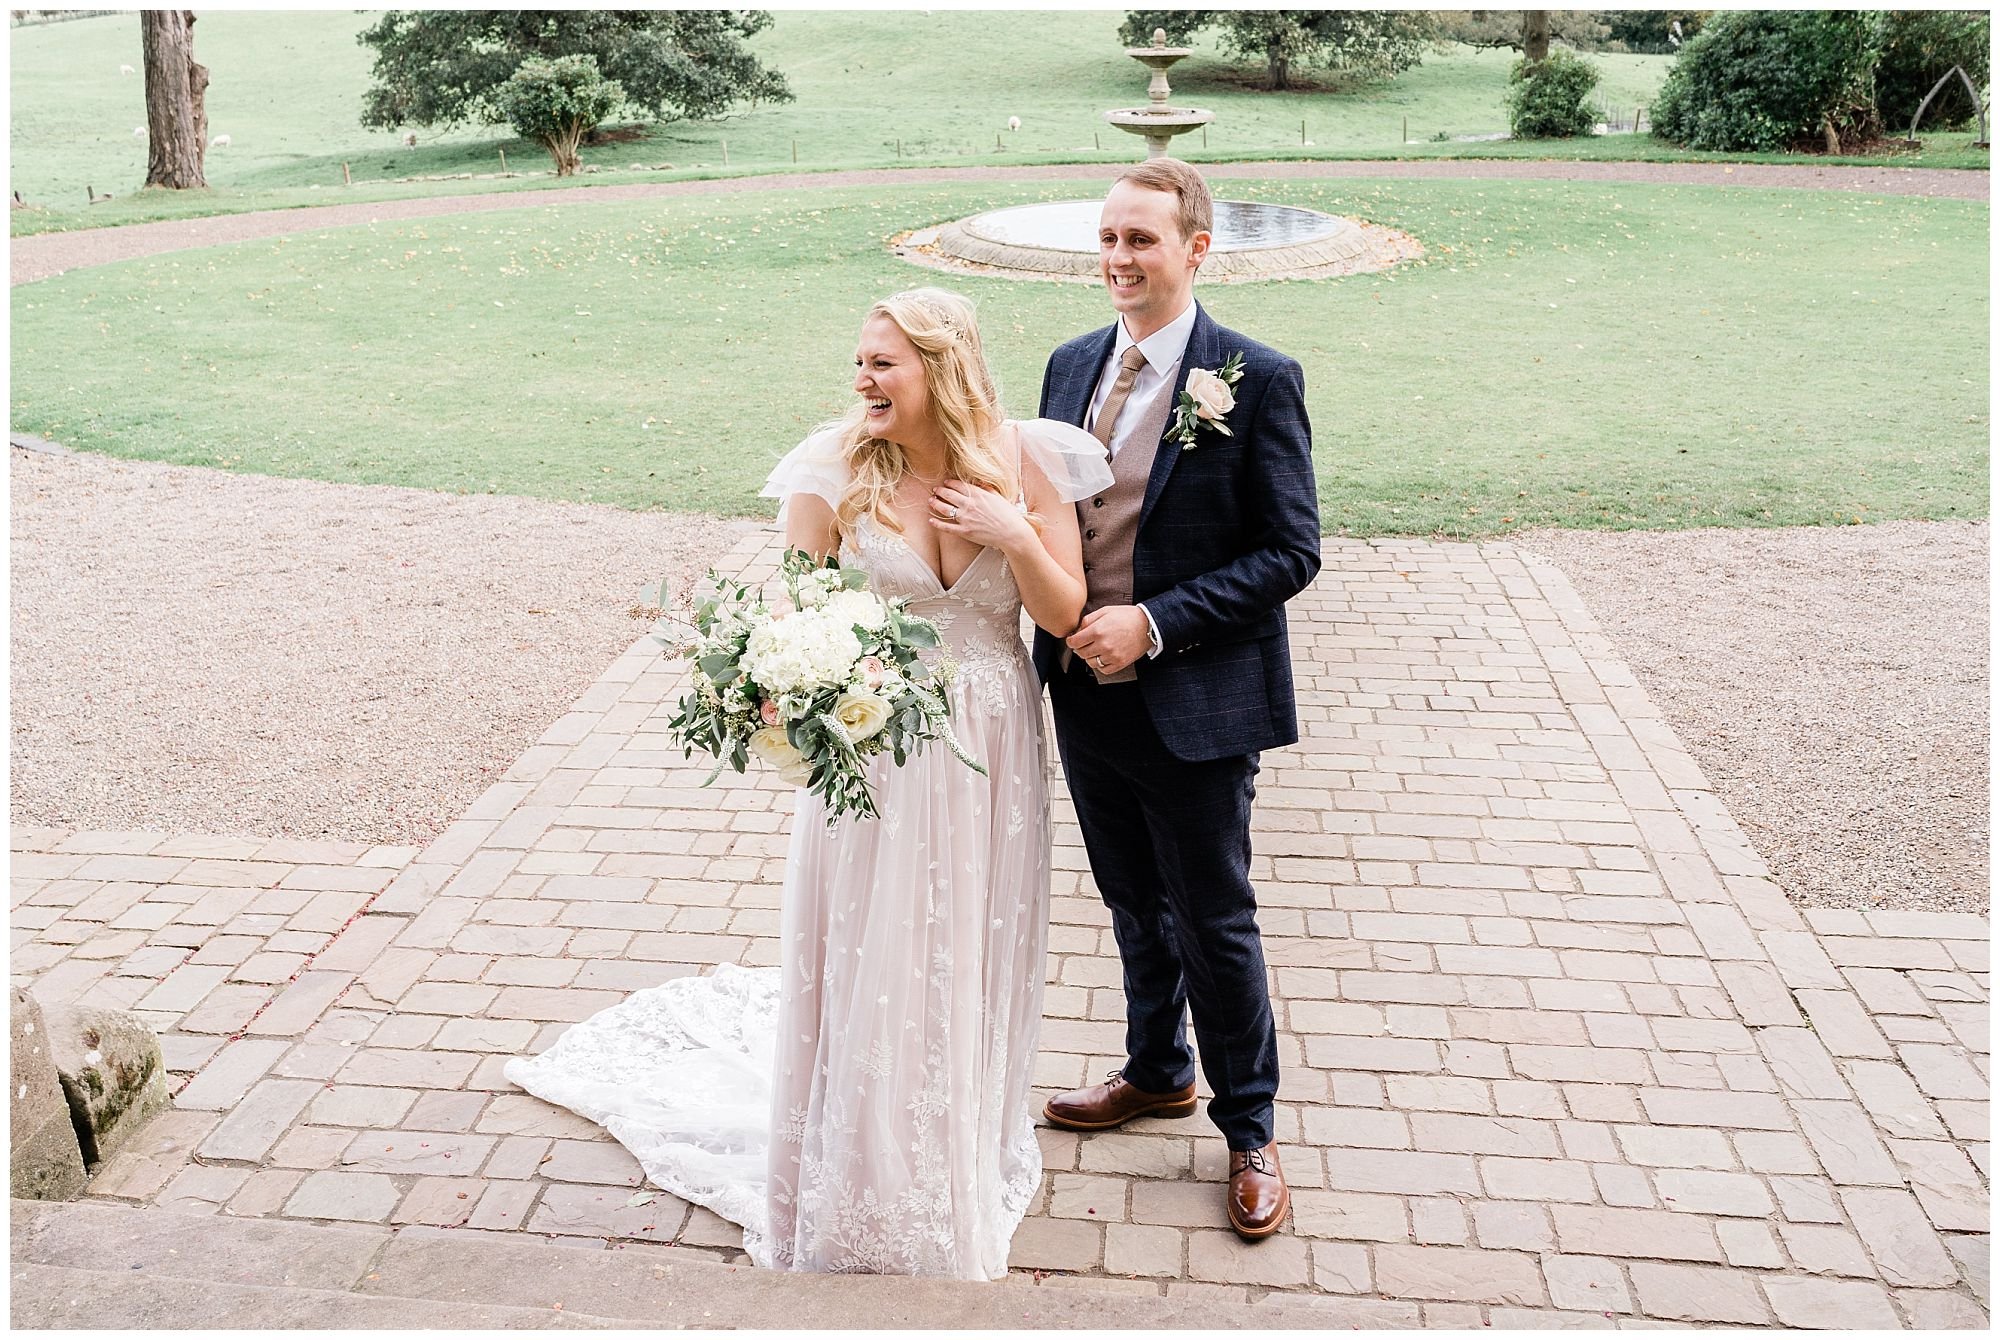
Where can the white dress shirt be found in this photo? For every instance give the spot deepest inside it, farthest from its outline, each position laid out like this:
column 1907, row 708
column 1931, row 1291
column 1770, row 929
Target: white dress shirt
column 1164, row 349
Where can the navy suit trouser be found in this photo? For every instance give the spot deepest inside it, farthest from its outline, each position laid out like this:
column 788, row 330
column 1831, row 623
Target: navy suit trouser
column 1169, row 846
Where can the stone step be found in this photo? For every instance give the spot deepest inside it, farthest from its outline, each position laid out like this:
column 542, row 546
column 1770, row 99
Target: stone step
column 78, row 1265
column 62, row 1298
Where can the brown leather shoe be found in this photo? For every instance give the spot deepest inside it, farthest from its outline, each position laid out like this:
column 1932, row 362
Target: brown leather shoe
column 1258, row 1197
column 1113, row 1103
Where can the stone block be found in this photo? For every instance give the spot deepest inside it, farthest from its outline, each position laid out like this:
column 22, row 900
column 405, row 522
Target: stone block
column 1827, row 1305
column 1458, row 1274
column 45, row 1162
column 111, row 1072
column 1696, row 1293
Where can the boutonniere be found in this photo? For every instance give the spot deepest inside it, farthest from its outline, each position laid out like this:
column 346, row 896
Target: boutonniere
column 1206, row 401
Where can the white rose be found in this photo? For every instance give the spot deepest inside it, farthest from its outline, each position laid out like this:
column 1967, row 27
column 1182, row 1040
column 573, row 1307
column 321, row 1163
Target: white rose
column 850, row 608
column 1212, row 398
column 862, row 714
column 773, row 747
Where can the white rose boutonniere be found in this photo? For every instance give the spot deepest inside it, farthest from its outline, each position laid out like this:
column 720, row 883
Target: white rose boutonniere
column 1206, row 401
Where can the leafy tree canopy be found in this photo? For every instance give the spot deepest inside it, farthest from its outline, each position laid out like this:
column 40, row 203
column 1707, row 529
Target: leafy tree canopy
column 1584, row 29
column 1361, row 43
column 444, row 67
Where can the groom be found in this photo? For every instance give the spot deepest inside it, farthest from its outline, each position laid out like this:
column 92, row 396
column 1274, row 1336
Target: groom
column 1180, row 672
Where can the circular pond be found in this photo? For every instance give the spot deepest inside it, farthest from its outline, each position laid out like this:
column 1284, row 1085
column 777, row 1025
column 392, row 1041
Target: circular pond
column 1058, row 240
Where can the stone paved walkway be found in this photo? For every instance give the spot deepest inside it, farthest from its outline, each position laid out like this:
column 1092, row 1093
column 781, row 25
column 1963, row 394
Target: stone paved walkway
column 1556, row 1050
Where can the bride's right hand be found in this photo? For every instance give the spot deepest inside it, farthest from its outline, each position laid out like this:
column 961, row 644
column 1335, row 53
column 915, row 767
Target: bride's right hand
column 979, row 516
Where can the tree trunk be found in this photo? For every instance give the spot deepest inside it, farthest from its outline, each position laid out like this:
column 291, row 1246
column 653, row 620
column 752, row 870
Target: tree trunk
column 1535, row 35
column 562, row 147
column 1280, row 66
column 176, row 120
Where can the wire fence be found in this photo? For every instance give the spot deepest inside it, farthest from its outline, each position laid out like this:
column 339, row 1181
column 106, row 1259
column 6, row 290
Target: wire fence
column 22, row 18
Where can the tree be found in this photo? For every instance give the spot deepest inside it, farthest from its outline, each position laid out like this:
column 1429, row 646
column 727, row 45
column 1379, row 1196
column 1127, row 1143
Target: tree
column 1528, row 31
column 558, row 102
column 444, row 67
column 176, row 119
column 1359, row 43
column 1535, row 36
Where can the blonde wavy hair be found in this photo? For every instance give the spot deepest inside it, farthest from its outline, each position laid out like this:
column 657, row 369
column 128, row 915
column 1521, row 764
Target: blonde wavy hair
column 963, row 402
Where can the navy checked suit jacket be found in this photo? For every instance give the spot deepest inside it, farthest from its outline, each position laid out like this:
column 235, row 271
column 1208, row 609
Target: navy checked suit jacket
column 1228, row 532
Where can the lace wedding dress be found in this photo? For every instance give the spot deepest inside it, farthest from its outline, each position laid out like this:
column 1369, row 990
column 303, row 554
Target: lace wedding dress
column 865, row 1106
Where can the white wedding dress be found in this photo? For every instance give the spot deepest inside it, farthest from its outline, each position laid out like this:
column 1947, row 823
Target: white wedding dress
column 865, row 1106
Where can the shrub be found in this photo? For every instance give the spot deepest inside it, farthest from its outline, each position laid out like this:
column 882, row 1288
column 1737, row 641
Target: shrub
column 1546, row 99
column 558, row 102
column 1772, row 80
column 1918, row 48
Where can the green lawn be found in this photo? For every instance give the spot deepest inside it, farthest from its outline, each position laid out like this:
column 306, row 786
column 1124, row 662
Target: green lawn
column 874, row 88
column 1604, row 356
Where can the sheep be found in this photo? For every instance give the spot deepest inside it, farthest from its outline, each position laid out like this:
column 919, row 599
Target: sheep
column 410, row 140
column 126, row 69
column 139, row 132
column 219, row 142
column 1013, row 123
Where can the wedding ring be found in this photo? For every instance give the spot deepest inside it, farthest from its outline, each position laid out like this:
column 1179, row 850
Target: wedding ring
column 1099, row 660
column 950, row 513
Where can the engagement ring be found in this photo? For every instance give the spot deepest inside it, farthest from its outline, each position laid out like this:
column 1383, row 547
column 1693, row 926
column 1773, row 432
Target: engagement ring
column 951, row 514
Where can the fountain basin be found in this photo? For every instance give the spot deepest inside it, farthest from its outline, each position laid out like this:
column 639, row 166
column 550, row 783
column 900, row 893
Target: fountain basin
column 1058, row 240
column 1164, row 121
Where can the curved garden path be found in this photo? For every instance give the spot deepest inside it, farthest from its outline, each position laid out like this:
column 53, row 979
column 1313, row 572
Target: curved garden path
column 43, row 255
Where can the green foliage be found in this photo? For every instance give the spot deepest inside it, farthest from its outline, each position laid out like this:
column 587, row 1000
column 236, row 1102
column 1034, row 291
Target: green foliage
column 1766, row 79
column 1652, row 30
column 1919, row 47
column 1549, row 99
column 444, row 67
column 1360, row 44
column 556, row 103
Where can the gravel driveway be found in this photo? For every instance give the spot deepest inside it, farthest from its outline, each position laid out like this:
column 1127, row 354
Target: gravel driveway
column 202, row 652
column 1832, row 683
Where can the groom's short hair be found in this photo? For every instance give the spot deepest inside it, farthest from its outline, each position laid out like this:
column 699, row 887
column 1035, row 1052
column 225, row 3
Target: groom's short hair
column 1197, row 207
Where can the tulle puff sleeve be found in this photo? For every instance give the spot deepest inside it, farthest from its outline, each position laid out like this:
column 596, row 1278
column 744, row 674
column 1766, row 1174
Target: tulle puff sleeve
column 816, row 466
column 1072, row 460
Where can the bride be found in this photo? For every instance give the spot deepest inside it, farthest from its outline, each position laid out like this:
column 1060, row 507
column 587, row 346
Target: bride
column 865, row 1105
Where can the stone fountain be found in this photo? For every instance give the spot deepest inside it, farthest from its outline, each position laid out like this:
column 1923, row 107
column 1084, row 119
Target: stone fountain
column 1157, row 121
column 1058, row 239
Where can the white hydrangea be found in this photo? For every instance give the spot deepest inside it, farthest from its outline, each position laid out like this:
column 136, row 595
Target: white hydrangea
column 802, row 653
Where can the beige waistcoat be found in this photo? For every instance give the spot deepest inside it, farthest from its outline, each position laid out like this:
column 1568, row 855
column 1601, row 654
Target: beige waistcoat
column 1109, row 522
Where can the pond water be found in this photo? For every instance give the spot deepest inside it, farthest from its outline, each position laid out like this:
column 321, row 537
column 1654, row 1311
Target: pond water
column 1071, row 225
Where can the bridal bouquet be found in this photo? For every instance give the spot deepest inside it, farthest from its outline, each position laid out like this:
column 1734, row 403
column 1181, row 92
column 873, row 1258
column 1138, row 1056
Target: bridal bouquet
column 815, row 687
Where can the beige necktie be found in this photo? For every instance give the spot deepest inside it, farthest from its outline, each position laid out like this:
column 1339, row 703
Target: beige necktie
column 1128, row 377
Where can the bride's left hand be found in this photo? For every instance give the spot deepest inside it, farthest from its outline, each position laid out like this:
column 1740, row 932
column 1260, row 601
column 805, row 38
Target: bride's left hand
column 979, row 516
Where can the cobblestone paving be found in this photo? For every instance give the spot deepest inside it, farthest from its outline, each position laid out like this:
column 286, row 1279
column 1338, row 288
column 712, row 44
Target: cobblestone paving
column 1556, row 1051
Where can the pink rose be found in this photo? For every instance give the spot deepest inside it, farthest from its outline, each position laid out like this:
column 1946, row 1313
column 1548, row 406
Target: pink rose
column 768, row 711
column 871, row 669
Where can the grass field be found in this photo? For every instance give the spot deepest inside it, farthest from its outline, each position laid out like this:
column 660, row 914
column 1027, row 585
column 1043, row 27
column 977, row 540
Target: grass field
column 873, row 88
column 1573, row 355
